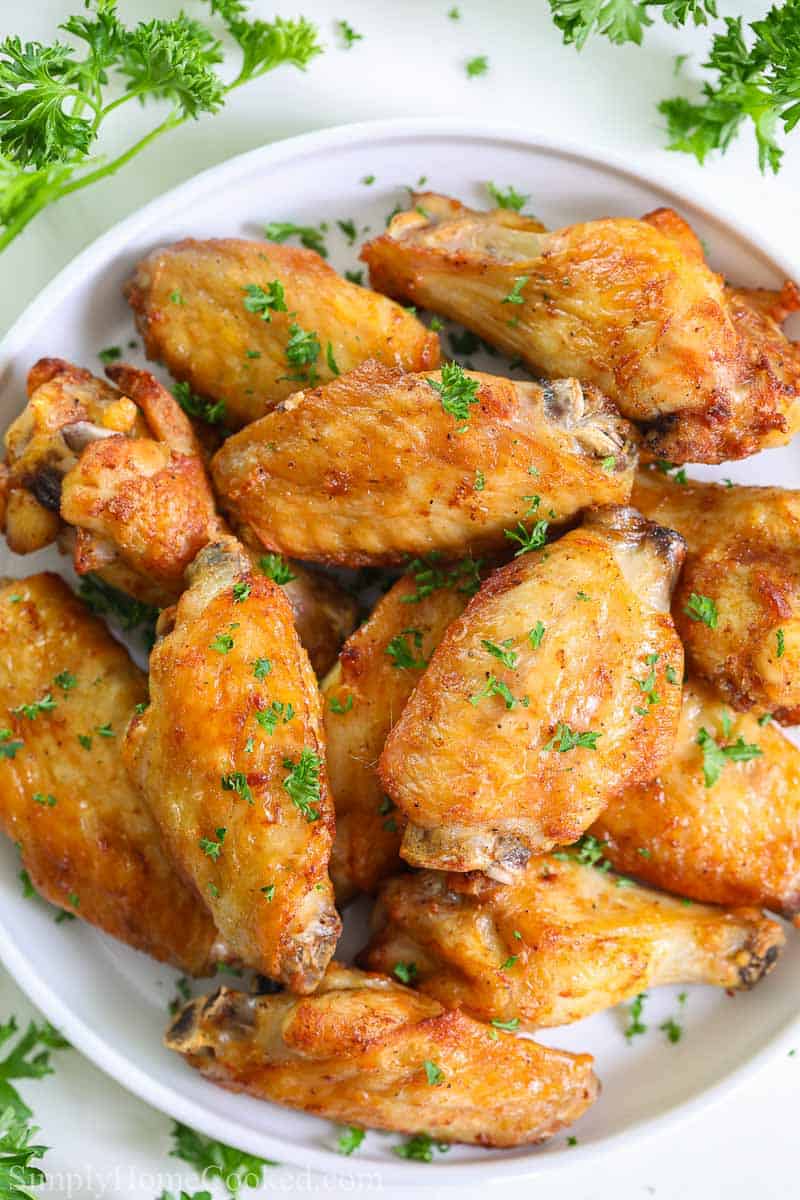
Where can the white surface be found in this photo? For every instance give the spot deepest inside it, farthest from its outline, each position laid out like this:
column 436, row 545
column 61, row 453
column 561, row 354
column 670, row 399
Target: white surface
column 531, row 72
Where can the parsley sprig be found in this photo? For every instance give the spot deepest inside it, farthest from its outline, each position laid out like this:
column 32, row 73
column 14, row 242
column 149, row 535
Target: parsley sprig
column 215, row 1160
column 57, row 98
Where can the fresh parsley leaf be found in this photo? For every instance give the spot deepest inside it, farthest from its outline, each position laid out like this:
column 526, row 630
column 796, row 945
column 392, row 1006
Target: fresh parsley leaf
column 310, row 236
column 420, row 1148
column 9, row 747
column 105, row 600
column 236, row 781
column 241, row 592
column 210, row 411
column 350, row 1139
column 32, row 710
column 515, row 295
column 508, row 197
column 565, row 739
column 399, row 649
column 214, row 1160
column 276, row 568
column 223, row 643
column 780, row 638
column 536, row 635
column 330, row 359
column 496, row 687
column 348, row 34
column 270, row 717
column 336, row 705
column 110, row 354
column 528, row 539
column 502, row 651
column 265, row 301
column 508, row 1026
column 66, row 681
column 262, row 668
column 636, row 1026
column 673, row 1029
column 213, row 846
column 268, row 891
column 702, row 608
column 433, row 1073
column 477, row 66
column 28, row 1059
column 463, row 577
column 456, row 390
column 405, row 972
column 716, row 757
column 302, row 783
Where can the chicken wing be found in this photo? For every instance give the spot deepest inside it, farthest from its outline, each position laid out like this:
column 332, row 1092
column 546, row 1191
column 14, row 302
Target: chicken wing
column 122, row 468
column 244, row 321
column 364, row 695
column 366, row 1051
column 625, row 304
column 230, row 757
column 561, row 942
column 378, row 465
column 87, row 839
column 737, row 604
column 721, row 821
column 559, row 685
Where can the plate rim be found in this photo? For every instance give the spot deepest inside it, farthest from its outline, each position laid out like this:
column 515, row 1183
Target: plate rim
column 525, row 1163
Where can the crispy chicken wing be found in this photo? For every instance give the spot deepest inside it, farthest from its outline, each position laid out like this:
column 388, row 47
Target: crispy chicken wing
column 366, row 1051
column 88, row 842
column 122, row 468
column 743, row 555
column 551, row 693
column 625, row 304
column 377, row 465
column 561, row 942
column 230, row 756
column 726, row 834
column 243, row 321
column 364, row 695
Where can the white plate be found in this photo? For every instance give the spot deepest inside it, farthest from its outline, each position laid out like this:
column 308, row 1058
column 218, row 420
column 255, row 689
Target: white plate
column 111, row 1002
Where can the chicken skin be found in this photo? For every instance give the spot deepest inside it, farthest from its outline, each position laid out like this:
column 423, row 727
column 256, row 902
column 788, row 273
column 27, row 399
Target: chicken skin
column 122, row 468
column 561, row 942
column 364, row 694
column 364, row 1050
column 230, row 757
column 246, row 323
column 628, row 305
column 87, row 839
column 558, row 686
column 737, row 605
column 378, row 466
column 716, row 826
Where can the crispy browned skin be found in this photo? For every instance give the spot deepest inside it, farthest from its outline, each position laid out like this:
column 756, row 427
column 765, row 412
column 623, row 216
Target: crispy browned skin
column 370, row 468
column 559, row 943
column 735, row 843
column 625, row 304
column 96, row 850
column 204, row 337
column 370, row 689
column 356, row 1051
column 744, row 554
column 122, row 468
column 196, row 734
column 476, row 774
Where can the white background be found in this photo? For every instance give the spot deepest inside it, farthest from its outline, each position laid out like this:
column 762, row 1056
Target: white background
column 411, row 62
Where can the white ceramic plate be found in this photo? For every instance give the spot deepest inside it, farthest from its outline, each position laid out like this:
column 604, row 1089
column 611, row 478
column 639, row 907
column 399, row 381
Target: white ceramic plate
column 112, row 1002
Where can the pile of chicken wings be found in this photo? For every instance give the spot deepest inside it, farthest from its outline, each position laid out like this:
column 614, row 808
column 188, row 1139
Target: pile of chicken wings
column 549, row 748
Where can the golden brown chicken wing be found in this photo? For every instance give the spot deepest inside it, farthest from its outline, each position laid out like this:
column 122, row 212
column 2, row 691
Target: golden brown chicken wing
column 559, row 685
column 122, row 468
column 378, row 465
column 365, row 1050
column 364, row 694
column 721, row 821
column 248, row 322
column 563, row 941
column 627, row 305
column 87, row 839
column 230, row 757
column 737, row 604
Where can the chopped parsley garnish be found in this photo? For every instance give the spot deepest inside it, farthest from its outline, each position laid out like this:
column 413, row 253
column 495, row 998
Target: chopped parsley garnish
column 608, row 464
column 302, row 783
column 702, row 608
column 401, row 650
column 508, row 197
column 302, row 348
column 463, row 577
column 210, row 411
column 648, row 684
column 28, row 890
column 8, row 748
column 268, row 891
column 85, row 740
column 213, row 847
column 405, row 972
column 355, row 276
column 716, row 757
column 465, row 342
column 536, row 635
column 502, row 651
column 454, row 14
column 508, row 1026
column 103, row 599
column 672, row 1029
column 310, row 236
column 176, row 297
column 265, row 301
column 528, row 539
column 477, row 66
column 367, row 180
column 336, row 705
column 496, row 687
column 480, row 480
column 348, row 34
column 515, row 295
column 110, row 354
column 330, row 359
column 456, row 391
column 565, row 739
column 262, row 668
column 509, row 963
column 350, row 1139
column 223, row 643
column 31, row 711
column 671, row 675
column 269, row 718
column 105, row 730
column 349, row 230
column 66, row 681
column 780, row 638
column 236, row 781
column 588, row 851
column 636, row 1025
column 241, row 591
column 45, row 799
column 420, row 1147
column 433, row 1073
column 276, row 568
